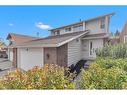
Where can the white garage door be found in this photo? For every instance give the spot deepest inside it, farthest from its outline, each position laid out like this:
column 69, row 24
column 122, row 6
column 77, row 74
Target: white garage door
column 30, row 57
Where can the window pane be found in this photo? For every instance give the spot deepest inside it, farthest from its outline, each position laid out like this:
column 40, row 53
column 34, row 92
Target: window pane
column 78, row 28
column 102, row 25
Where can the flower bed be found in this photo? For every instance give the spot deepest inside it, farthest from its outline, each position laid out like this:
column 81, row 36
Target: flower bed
column 49, row 77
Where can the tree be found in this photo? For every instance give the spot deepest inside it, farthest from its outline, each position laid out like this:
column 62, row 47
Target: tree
column 117, row 33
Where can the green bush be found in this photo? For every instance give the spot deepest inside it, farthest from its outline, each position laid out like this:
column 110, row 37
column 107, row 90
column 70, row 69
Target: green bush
column 105, row 74
column 48, row 77
column 113, row 51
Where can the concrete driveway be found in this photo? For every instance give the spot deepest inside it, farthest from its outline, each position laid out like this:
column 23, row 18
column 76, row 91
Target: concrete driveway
column 5, row 66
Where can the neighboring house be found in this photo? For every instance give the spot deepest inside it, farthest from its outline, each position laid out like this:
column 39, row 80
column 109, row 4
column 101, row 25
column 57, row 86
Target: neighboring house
column 3, row 50
column 123, row 34
column 16, row 39
column 66, row 46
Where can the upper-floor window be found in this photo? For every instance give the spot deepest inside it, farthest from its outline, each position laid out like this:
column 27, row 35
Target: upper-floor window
column 68, row 29
column 102, row 23
column 58, row 32
column 78, row 28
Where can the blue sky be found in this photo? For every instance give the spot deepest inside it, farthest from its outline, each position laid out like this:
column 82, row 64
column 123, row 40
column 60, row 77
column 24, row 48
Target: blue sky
column 29, row 20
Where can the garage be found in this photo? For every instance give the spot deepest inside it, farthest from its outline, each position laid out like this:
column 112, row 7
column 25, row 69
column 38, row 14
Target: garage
column 30, row 57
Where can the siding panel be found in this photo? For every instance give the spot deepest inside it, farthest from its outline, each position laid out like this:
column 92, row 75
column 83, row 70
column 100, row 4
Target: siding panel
column 74, row 52
column 94, row 26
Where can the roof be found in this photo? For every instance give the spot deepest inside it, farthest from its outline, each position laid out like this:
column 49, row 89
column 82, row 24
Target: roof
column 99, row 35
column 111, row 14
column 19, row 38
column 52, row 41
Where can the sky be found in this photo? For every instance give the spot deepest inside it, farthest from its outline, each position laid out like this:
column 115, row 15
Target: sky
column 33, row 20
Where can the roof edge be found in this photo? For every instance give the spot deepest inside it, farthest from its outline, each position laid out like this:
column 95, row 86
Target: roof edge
column 62, row 43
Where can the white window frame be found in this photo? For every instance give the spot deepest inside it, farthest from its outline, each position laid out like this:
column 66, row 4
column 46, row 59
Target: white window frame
column 102, row 23
column 90, row 50
column 67, row 29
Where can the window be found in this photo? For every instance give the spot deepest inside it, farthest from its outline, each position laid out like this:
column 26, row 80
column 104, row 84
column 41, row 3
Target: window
column 78, row 28
column 68, row 29
column 102, row 23
column 58, row 32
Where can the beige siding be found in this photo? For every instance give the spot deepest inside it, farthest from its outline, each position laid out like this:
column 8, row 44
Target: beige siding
column 97, row 43
column 94, row 26
column 74, row 52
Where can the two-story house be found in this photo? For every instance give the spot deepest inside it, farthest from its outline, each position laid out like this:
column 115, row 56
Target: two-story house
column 65, row 46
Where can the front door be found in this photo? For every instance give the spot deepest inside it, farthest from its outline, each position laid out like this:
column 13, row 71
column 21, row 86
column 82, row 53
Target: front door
column 91, row 49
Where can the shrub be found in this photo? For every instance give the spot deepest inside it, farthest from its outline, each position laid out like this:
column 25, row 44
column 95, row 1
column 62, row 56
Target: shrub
column 105, row 74
column 48, row 77
column 116, row 51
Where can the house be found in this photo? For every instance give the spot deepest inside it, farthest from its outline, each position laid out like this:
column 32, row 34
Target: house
column 3, row 50
column 123, row 34
column 16, row 39
column 65, row 46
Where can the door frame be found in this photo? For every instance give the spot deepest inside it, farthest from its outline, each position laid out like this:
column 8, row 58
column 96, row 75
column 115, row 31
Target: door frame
column 91, row 50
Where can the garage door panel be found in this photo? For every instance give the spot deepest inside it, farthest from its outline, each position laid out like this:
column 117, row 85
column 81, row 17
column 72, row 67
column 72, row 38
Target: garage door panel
column 30, row 58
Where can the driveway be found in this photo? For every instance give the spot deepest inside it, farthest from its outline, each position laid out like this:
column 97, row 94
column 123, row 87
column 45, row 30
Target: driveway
column 5, row 66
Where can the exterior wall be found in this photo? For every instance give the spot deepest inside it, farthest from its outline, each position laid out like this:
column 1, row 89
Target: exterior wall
column 85, row 49
column 97, row 43
column 30, row 57
column 62, row 55
column 94, row 26
column 52, row 53
column 74, row 51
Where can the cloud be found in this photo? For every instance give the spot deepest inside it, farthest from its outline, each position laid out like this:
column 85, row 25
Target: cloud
column 11, row 24
column 43, row 26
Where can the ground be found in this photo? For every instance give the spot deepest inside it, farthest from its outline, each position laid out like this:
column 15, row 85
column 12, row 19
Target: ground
column 5, row 66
